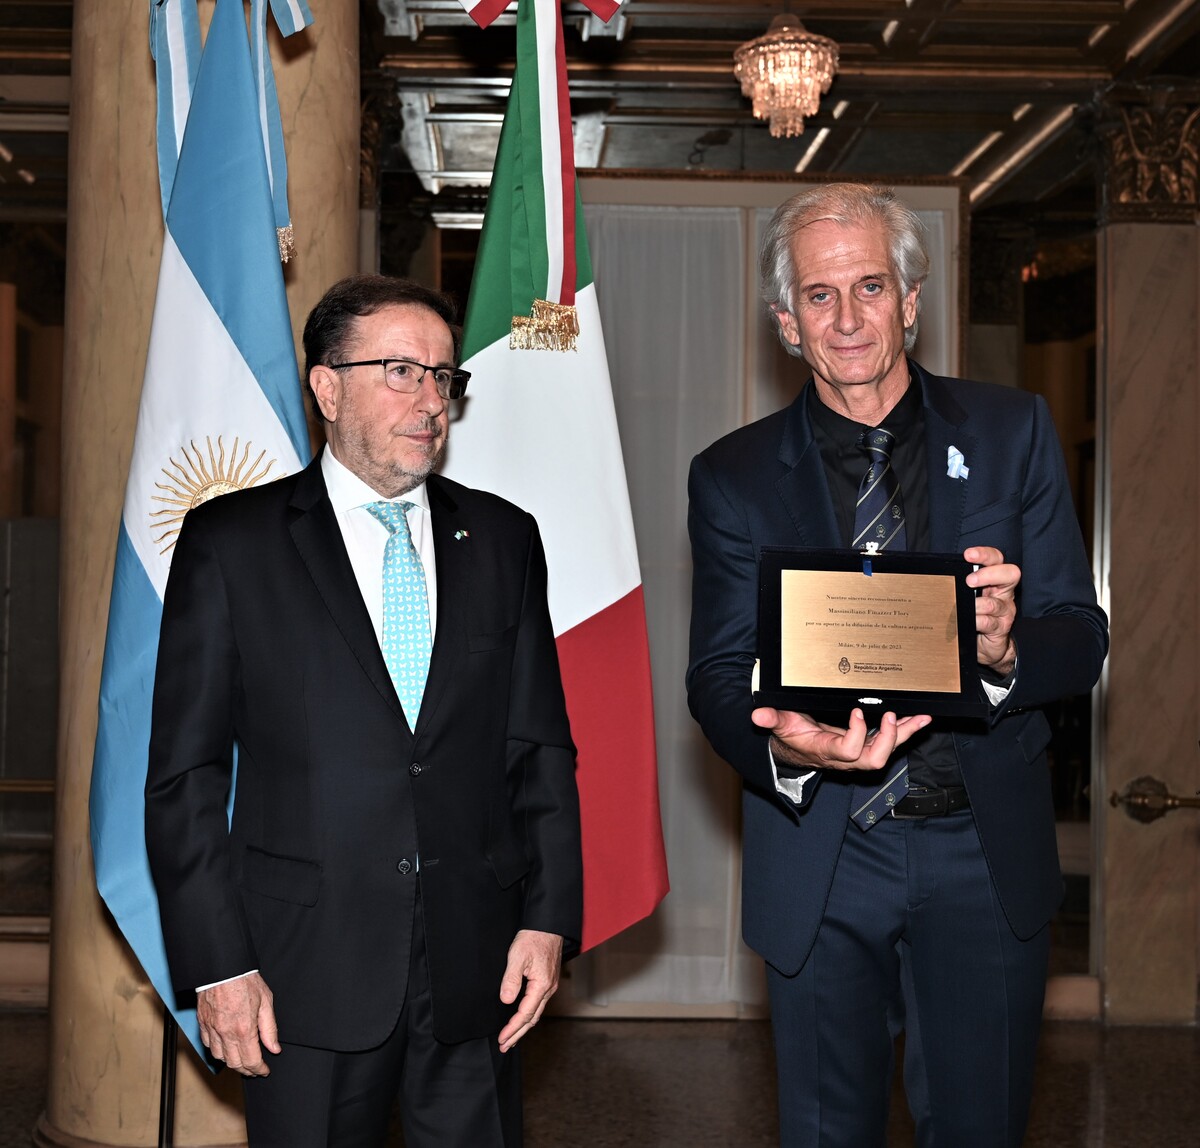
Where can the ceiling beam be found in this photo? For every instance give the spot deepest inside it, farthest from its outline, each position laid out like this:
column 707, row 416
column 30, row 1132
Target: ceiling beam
column 1037, row 132
column 699, row 116
column 726, row 12
column 666, row 62
column 1152, row 29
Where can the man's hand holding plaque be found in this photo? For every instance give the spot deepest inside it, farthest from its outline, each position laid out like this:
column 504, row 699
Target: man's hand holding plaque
column 995, row 608
column 800, row 741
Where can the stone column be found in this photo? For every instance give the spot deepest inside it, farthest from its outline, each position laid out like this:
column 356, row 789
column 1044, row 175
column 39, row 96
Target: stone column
column 105, row 1027
column 1149, row 350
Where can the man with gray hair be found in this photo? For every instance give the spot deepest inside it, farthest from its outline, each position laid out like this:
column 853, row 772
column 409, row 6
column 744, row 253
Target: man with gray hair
column 929, row 910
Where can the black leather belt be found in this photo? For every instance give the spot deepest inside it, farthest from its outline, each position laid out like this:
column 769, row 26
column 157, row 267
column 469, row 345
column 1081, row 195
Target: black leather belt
column 932, row 802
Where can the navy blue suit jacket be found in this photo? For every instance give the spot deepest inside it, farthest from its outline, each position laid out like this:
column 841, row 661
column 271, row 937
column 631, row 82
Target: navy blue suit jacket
column 765, row 485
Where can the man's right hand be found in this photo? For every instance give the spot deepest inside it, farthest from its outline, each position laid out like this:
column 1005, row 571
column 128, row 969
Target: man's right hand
column 800, row 741
column 234, row 1017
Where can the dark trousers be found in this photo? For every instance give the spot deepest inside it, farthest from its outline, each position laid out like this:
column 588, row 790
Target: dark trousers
column 464, row 1095
column 913, row 936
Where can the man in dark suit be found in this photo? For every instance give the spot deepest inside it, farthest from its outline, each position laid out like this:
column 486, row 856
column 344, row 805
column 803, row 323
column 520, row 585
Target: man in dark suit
column 875, row 906
column 390, row 904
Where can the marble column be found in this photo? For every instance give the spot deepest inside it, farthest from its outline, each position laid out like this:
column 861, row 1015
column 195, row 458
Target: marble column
column 1149, row 353
column 105, row 1026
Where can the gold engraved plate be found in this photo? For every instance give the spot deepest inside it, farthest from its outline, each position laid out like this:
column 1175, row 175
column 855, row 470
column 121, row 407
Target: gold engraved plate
column 844, row 630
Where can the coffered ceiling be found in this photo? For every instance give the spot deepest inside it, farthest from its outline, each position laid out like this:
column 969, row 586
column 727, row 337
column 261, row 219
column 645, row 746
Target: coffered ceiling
column 999, row 92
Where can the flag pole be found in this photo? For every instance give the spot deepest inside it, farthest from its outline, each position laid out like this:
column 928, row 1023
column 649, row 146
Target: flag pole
column 166, row 1091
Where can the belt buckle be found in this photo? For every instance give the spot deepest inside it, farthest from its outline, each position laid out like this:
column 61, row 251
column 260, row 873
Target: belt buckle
column 933, row 802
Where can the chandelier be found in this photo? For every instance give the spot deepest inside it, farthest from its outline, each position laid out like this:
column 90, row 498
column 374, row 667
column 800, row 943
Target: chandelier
column 785, row 73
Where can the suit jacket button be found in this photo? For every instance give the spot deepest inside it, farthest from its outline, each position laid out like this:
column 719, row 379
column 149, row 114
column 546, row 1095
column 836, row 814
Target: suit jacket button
column 415, row 769
column 404, row 866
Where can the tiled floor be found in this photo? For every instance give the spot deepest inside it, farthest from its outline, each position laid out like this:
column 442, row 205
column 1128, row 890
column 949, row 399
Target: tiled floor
column 691, row 1084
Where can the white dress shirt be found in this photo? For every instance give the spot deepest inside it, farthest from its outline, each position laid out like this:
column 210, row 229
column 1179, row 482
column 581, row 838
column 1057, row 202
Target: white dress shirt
column 366, row 537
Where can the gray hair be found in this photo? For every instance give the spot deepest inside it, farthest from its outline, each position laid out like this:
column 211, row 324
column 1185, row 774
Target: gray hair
column 847, row 204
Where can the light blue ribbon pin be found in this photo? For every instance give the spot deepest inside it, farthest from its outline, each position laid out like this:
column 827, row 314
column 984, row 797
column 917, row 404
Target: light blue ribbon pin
column 955, row 464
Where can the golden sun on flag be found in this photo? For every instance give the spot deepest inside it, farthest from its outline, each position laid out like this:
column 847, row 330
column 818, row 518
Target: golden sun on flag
column 197, row 479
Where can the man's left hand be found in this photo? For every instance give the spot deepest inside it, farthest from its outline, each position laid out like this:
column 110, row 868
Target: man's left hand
column 995, row 608
column 536, row 958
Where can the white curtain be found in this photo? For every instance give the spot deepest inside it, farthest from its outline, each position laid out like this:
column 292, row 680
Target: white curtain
column 935, row 336
column 672, row 290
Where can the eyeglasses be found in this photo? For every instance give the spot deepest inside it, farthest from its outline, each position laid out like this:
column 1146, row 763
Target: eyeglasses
column 405, row 376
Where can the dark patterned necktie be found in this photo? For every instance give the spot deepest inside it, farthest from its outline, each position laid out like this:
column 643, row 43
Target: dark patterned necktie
column 879, row 513
column 879, row 524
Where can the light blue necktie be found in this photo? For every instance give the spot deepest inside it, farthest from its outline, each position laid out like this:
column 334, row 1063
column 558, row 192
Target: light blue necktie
column 406, row 640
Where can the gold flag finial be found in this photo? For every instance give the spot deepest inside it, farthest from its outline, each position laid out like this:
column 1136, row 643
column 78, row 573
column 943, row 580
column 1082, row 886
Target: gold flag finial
column 287, row 242
column 550, row 327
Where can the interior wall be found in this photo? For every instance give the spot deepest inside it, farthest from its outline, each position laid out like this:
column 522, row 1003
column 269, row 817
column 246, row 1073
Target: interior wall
column 1063, row 372
column 994, row 353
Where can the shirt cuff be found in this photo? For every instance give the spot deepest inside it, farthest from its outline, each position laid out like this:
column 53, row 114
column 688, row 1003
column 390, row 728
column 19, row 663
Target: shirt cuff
column 997, row 692
column 227, row 980
column 791, row 787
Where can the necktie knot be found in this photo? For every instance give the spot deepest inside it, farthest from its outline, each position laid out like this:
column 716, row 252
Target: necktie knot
column 393, row 515
column 879, row 511
column 878, row 443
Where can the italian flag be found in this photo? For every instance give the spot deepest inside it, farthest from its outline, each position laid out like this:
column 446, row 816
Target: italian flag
column 540, row 429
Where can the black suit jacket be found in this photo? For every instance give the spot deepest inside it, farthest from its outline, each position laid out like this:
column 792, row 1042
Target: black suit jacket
column 765, row 485
column 267, row 644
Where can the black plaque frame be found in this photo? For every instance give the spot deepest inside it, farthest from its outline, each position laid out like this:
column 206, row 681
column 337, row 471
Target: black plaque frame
column 834, row 703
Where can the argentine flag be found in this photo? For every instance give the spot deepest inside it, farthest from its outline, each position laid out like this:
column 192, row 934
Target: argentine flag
column 221, row 405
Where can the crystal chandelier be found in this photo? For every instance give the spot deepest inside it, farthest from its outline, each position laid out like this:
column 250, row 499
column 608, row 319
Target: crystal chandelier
column 785, row 73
